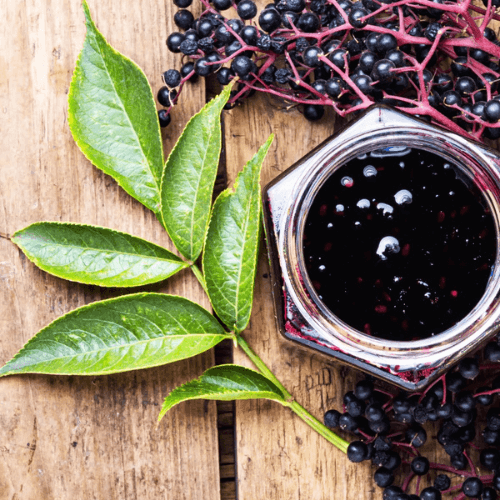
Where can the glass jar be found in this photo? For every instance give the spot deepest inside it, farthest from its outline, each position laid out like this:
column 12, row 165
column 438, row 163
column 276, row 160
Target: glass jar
column 304, row 318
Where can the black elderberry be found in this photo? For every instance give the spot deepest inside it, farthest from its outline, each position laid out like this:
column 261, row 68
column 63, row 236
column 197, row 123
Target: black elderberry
column 308, row 22
column 459, row 461
column 393, row 461
column 467, row 434
column 465, row 86
column 401, row 404
column 212, row 58
column 478, row 110
column 189, row 47
column 339, row 57
column 431, row 31
column 241, row 65
column 355, row 47
column 201, row 67
column 224, row 75
column 385, row 43
column 320, row 87
column 269, row 20
column 364, row 389
column 382, row 443
column 472, row 487
column 313, row 112
column 223, row 35
column 204, row 27
column 496, row 481
column 311, row 56
column 165, row 95
column 420, row 466
column 480, row 56
column 416, row 436
column 420, row 414
column 283, row 75
column 293, row 5
column 442, row 82
column 331, row 419
column 454, row 381
column 454, row 448
column 172, row 78
column 233, row 47
column 268, row 75
column 186, row 70
column 183, row 19
column 222, row 4
column 492, row 111
column 183, row 4
column 382, row 70
column 465, row 401
column 356, row 17
column 430, row 493
column 289, row 19
column 249, row 34
column 347, row 422
column 357, row 451
column 371, row 41
column 490, row 458
column 374, row 412
column 459, row 68
column 461, row 418
column 442, row 482
column 235, row 24
column 246, row 9
column 392, row 493
column 164, row 118
column 382, row 426
column 489, row 494
column 396, row 56
column 383, row 477
column 174, row 41
column 366, row 61
column 191, row 34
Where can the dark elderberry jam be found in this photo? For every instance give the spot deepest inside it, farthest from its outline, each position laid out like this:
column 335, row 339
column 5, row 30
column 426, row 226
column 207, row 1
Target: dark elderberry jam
column 399, row 244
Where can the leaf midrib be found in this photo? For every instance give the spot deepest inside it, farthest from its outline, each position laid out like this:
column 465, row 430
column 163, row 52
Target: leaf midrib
column 124, row 111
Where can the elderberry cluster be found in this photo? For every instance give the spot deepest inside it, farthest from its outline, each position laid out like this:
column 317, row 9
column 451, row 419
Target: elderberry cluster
column 432, row 58
column 392, row 428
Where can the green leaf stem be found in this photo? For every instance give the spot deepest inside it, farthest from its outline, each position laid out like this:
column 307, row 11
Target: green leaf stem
column 189, row 177
column 113, row 119
column 232, row 245
column 96, row 255
column 225, row 383
column 126, row 333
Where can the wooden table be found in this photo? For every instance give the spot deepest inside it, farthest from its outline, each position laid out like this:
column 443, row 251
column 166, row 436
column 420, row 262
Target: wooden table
column 69, row 438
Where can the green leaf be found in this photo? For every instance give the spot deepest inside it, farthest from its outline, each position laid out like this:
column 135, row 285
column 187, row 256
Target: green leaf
column 96, row 255
column 231, row 247
column 189, row 176
column 113, row 119
column 224, row 383
column 126, row 333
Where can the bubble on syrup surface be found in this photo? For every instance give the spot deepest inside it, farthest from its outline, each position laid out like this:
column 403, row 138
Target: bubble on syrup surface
column 363, row 203
column 403, row 197
column 387, row 210
column 369, row 171
column 347, row 181
column 339, row 208
column 387, row 246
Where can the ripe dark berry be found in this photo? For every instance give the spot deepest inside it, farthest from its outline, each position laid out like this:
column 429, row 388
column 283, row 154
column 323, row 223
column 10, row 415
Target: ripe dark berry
column 347, row 422
column 364, row 83
column 459, row 68
column 371, row 41
column 364, row 389
column 268, row 75
column 339, row 57
column 383, row 477
column 465, row 401
column 164, row 118
column 186, row 70
column 393, row 460
column 292, row 5
column 313, row 112
column 420, row 465
column 249, row 34
column 289, row 19
column 385, row 43
column 472, row 487
column 442, row 82
column 442, row 482
column 454, row 380
column 465, row 86
column 311, row 56
column 416, row 436
column 283, row 75
column 224, row 75
column 374, row 413
column 382, row 70
column 356, row 17
column 431, row 31
column 223, row 35
column 241, row 65
column 222, row 4
column 367, row 61
column 490, row 458
column 269, row 20
column 430, row 493
column 204, row 27
column 492, row 111
column 489, row 494
column 174, row 41
column 201, row 67
column 189, row 47
column 183, row 19
column 183, row 4
column 459, row 461
column 461, row 418
column 331, row 419
column 469, row 368
column 164, row 95
column 392, row 493
column 320, row 87
column 357, row 451
column 172, row 78
column 396, row 56
column 308, row 22
column 492, row 352
column 246, row 9
column 496, row 481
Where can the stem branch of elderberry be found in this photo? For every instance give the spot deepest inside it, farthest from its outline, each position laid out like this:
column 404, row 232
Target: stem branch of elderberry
column 309, row 419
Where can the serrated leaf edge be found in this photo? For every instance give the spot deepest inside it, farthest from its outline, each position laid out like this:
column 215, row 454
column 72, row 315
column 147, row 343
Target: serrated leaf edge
column 71, row 120
column 140, row 295
column 176, row 259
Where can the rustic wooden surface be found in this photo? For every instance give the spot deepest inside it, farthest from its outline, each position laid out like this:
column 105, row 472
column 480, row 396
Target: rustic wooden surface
column 82, row 438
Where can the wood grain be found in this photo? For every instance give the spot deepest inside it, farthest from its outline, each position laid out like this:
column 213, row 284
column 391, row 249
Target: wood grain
column 278, row 456
column 68, row 437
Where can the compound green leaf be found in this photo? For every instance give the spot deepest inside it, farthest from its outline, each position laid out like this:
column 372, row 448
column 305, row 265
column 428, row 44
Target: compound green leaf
column 96, row 255
column 113, row 119
column 126, row 333
column 224, row 383
column 231, row 247
column 189, row 176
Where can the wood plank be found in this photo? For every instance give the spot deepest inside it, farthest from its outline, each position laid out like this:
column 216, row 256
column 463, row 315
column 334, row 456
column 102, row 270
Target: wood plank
column 71, row 437
column 278, row 456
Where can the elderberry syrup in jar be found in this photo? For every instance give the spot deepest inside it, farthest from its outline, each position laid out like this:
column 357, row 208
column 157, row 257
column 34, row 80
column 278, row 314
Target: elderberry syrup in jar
column 384, row 247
